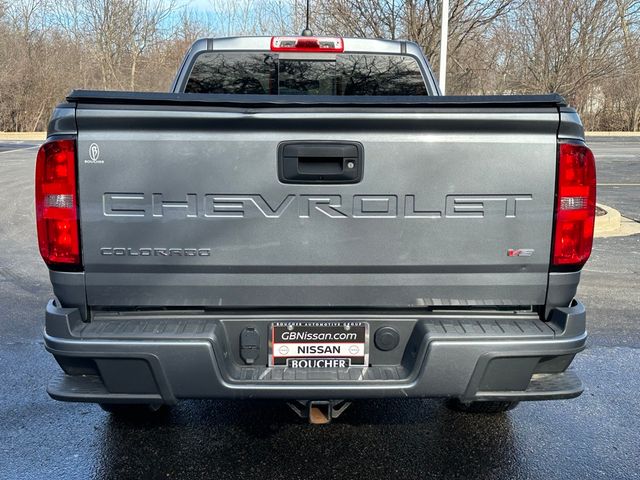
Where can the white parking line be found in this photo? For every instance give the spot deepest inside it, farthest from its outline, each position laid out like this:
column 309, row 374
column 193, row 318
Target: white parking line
column 618, row 184
column 19, row 149
column 616, row 155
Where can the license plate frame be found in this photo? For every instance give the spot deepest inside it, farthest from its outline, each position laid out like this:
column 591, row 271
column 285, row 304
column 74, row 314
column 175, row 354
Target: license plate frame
column 319, row 344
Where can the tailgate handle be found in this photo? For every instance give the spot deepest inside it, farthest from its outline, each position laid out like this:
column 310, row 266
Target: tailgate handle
column 320, row 162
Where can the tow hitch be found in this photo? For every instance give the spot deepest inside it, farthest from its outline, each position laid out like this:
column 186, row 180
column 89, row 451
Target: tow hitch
column 319, row 412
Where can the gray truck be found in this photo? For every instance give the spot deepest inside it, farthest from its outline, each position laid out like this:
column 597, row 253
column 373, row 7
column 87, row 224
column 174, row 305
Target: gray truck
column 309, row 219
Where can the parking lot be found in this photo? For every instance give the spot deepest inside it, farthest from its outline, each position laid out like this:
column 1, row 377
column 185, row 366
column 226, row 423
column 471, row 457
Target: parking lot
column 594, row 436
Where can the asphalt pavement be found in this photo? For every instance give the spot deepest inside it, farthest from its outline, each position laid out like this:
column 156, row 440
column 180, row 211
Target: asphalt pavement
column 594, row 436
column 618, row 160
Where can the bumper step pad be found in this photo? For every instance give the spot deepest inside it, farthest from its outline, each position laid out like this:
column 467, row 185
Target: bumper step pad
column 90, row 388
column 543, row 386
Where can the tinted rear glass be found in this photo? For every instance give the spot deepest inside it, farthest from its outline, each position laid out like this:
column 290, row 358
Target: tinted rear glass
column 266, row 73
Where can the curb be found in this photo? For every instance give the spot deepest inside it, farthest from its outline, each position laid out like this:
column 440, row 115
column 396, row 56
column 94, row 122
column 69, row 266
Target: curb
column 612, row 224
column 612, row 134
column 36, row 136
column 609, row 222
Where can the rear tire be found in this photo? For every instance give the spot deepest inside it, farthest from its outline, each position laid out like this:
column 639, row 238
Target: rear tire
column 489, row 407
column 134, row 410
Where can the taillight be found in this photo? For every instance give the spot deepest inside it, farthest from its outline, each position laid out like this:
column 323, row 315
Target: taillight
column 575, row 206
column 56, row 204
column 307, row 44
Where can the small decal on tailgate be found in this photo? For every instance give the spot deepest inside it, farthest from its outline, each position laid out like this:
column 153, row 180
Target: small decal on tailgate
column 520, row 252
column 94, row 154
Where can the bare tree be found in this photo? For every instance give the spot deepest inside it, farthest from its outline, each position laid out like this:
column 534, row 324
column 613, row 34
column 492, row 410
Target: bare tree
column 566, row 46
column 121, row 30
column 416, row 20
column 627, row 84
column 147, row 22
column 587, row 50
column 563, row 44
column 359, row 18
column 236, row 17
column 25, row 89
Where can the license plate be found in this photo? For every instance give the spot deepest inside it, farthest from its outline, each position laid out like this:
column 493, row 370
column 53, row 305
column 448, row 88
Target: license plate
column 319, row 344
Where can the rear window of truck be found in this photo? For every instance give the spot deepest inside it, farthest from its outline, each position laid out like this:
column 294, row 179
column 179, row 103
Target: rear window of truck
column 269, row 74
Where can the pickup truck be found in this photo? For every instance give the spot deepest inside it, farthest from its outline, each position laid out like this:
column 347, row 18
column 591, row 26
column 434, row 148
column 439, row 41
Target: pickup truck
column 308, row 219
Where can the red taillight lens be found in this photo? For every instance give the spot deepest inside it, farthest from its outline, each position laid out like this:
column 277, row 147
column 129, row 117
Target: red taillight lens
column 56, row 204
column 307, row 44
column 575, row 205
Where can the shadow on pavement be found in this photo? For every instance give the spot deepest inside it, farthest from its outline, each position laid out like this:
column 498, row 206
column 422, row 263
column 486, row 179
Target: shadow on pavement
column 264, row 439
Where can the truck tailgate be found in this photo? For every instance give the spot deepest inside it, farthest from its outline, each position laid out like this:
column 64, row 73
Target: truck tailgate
column 181, row 205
